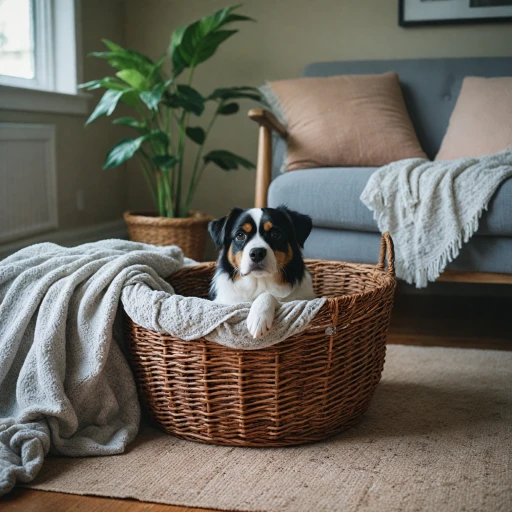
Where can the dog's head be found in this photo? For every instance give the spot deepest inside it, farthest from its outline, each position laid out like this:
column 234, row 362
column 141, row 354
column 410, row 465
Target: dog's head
column 262, row 242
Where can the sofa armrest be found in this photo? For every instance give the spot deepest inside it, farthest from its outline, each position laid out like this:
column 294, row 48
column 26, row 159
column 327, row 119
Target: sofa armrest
column 267, row 123
column 268, row 120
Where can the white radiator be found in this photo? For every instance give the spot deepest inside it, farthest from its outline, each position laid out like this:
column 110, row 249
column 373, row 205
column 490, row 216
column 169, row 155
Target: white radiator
column 28, row 188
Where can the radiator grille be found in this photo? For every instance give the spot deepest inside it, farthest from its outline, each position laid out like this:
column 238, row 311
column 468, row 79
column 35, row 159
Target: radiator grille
column 28, row 198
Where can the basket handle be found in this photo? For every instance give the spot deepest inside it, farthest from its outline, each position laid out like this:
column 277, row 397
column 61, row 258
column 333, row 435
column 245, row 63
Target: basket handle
column 387, row 249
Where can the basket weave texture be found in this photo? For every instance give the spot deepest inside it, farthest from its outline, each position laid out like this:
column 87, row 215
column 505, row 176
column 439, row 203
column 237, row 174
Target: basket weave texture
column 189, row 233
column 306, row 388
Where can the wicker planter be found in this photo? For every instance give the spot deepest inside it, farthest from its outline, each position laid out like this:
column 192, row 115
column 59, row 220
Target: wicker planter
column 188, row 233
column 306, row 388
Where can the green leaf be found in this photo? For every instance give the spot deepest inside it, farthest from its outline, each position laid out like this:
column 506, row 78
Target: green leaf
column 196, row 48
column 165, row 161
column 237, row 17
column 161, row 138
column 130, row 97
column 160, row 142
column 134, row 55
column 154, row 76
column 131, row 122
column 197, row 134
column 106, row 105
column 112, row 46
column 222, row 17
column 188, row 98
column 121, row 61
column 236, row 93
column 178, row 63
column 107, row 83
column 123, row 151
column 227, row 160
column 121, row 58
column 133, row 78
column 229, row 109
column 152, row 98
column 193, row 44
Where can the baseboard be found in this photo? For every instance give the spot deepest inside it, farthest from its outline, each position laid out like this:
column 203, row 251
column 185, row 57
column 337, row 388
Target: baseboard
column 70, row 237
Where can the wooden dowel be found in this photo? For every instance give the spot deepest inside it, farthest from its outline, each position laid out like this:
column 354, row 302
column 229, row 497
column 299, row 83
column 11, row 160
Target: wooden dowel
column 264, row 167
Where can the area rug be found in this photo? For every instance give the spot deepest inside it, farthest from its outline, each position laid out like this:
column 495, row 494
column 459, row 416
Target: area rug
column 438, row 436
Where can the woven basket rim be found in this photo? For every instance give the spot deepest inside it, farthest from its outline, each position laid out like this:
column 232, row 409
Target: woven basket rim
column 388, row 278
column 147, row 218
column 150, row 218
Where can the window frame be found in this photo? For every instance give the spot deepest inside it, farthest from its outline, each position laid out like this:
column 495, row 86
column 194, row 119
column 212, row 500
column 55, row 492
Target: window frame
column 57, row 63
column 43, row 37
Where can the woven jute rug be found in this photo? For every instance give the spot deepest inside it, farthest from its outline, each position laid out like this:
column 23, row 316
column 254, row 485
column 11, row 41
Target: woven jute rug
column 438, row 437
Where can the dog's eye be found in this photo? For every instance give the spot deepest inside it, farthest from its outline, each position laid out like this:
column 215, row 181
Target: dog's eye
column 276, row 235
column 240, row 236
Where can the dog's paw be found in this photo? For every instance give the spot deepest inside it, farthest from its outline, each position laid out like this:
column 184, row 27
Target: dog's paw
column 258, row 324
column 261, row 315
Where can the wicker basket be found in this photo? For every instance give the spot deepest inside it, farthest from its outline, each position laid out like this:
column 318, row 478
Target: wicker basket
column 188, row 233
column 306, row 388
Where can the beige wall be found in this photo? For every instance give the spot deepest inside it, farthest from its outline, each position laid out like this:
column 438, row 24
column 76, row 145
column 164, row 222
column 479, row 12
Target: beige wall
column 290, row 34
column 81, row 152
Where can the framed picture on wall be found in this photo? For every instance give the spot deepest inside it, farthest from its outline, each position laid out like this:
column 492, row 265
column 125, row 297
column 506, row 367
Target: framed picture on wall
column 435, row 12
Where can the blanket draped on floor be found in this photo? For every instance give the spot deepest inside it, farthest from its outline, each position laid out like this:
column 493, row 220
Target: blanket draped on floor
column 432, row 208
column 65, row 386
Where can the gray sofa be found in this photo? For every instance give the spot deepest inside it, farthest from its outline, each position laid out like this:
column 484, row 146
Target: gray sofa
column 344, row 229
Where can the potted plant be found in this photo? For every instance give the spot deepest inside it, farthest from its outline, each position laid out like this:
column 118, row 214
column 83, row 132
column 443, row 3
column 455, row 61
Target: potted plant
column 165, row 110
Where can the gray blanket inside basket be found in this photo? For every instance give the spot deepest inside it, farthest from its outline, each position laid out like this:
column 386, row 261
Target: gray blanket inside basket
column 65, row 386
column 190, row 318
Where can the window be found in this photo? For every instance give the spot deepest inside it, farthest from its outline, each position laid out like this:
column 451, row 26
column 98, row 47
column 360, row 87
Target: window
column 38, row 47
column 17, row 39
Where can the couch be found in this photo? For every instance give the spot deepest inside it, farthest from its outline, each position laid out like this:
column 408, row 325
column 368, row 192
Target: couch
column 344, row 229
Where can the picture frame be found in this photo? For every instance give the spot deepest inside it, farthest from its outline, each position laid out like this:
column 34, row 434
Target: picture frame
column 412, row 13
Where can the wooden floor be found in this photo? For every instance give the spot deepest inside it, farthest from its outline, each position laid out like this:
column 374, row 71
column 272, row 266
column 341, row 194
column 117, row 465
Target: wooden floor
column 465, row 322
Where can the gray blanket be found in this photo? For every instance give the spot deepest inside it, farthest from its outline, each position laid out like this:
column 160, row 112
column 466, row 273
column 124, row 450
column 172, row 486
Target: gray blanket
column 432, row 208
column 190, row 318
column 65, row 386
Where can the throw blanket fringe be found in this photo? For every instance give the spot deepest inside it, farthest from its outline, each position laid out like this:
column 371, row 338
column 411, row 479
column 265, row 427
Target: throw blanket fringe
column 432, row 208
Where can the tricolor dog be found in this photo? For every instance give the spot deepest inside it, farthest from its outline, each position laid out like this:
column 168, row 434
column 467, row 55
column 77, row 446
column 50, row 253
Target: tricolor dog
column 260, row 261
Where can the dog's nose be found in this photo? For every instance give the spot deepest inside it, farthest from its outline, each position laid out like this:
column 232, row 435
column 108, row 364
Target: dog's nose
column 257, row 254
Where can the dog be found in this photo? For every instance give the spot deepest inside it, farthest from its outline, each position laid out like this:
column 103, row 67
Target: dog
column 260, row 261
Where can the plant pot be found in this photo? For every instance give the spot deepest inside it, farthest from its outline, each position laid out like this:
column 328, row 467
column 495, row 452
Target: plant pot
column 188, row 233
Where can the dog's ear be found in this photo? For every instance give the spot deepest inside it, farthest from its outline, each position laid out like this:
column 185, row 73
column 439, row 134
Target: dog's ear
column 216, row 230
column 219, row 227
column 302, row 224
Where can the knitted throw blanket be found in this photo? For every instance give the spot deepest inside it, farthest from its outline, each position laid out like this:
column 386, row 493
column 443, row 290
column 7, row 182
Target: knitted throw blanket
column 432, row 208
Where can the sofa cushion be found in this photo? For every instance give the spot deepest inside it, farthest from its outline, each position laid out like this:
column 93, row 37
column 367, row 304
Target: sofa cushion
column 331, row 197
column 430, row 86
column 480, row 254
column 481, row 123
column 351, row 120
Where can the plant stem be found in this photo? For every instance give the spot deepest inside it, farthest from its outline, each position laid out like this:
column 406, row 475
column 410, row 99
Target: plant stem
column 181, row 149
column 147, row 176
column 169, row 210
column 161, row 209
column 196, row 184
column 193, row 180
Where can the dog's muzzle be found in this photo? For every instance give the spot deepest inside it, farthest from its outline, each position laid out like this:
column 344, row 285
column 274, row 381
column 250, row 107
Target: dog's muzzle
column 256, row 266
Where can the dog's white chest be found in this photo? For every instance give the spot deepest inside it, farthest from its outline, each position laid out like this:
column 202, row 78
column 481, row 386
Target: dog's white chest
column 248, row 289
